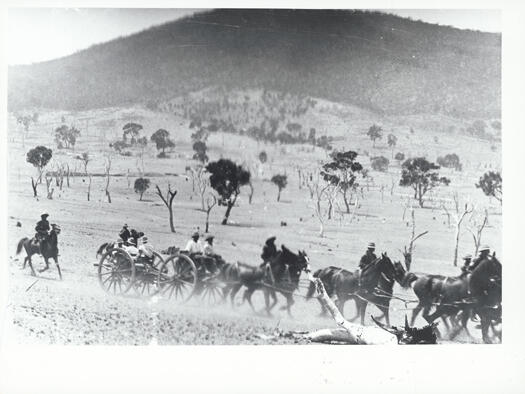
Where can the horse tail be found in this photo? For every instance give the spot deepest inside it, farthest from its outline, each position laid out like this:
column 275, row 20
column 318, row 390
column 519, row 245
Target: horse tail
column 101, row 249
column 311, row 287
column 21, row 245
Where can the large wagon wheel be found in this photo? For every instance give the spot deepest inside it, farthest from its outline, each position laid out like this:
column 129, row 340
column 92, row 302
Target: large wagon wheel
column 211, row 289
column 146, row 278
column 116, row 271
column 177, row 277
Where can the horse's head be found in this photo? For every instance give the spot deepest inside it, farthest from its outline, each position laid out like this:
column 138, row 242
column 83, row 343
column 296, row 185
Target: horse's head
column 55, row 228
column 399, row 272
column 296, row 262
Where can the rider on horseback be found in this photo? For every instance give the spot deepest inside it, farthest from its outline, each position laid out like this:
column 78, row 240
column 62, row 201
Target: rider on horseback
column 42, row 228
column 124, row 234
column 466, row 265
column 484, row 252
column 269, row 250
column 369, row 256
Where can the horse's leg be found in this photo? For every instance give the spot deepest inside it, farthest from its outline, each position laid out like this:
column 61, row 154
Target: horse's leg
column 415, row 312
column 46, row 267
column 267, row 301
column 356, row 310
column 234, row 291
column 362, row 312
column 33, row 273
column 289, row 302
column 485, row 323
column 248, row 296
column 274, row 297
column 58, row 267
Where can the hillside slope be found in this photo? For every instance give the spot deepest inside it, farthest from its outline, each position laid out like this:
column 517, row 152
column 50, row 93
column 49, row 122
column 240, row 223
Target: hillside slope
column 380, row 62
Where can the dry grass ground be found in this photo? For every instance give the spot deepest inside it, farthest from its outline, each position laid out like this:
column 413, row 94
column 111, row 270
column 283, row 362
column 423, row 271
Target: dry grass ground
column 77, row 311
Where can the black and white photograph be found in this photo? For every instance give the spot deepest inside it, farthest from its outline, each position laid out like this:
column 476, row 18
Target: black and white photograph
column 303, row 177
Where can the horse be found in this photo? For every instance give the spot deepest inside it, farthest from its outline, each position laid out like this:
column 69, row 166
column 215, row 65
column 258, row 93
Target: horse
column 326, row 275
column 480, row 292
column 374, row 283
column 47, row 249
column 280, row 275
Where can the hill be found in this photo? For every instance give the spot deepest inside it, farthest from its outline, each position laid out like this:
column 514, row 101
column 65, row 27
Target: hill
column 380, row 62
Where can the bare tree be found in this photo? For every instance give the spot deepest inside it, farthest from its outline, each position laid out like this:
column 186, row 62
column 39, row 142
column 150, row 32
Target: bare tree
column 34, row 185
column 409, row 252
column 168, row 201
column 318, row 189
column 211, row 201
column 476, row 227
column 459, row 212
column 89, row 188
column 250, row 196
column 107, row 169
column 85, row 159
column 50, row 190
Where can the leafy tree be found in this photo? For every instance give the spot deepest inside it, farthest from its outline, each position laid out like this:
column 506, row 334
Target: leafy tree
column 399, row 157
column 375, row 132
column 119, row 146
column 280, row 180
column 450, row 161
column 392, row 142
column 66, row 137
column 227, row 178
column 25, row 120
column 380, row 163
column 200, row 148
column 39, row 157
column 491, row 184
column 342, row 171
column 422, row 176
column 263, row 157
column 141, row 185
column 162, row 141
column 132, row 130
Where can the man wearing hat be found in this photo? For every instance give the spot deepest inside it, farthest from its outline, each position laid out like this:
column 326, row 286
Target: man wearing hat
column 208, row 246
column 193, row 246
column 124, row 233
column 369, row 255
column 269, row 250
column 484, row 252
column 131, row 248
column 42, row 228
column 146, row 250
column 466, row 265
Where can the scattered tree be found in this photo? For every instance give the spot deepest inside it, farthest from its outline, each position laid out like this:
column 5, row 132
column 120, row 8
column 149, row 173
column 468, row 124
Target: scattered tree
column 200, row 148
column 162, row 141
column 450, row 160
column 227, row 178
column 168, row 202
column 375, row 132
column 460, row 211
column 66, row 137
column 132, row 130
column 399, row 157
column 107, row 169
column 85, row 159
column 491, row 184
column 422, row 176
column 39, row 157
column 211, row 201
column 141, row 185
column 342, row 172
column 280, row 180
column 409, row 252
column 392, row 142
column 380, row 163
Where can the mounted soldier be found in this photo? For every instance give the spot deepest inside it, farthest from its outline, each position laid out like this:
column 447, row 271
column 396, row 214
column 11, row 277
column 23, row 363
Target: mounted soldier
column 42, row 229
column 484, row 253
column 467, row 260
column 369, row 256
column 124, row 233
column 269, row 251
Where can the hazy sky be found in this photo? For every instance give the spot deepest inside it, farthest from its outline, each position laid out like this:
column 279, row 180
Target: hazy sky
column 39, row 34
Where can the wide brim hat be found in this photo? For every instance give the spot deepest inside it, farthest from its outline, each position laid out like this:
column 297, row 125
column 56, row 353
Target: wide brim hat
column 195, row 234
column 484, row 248
column 467, row 257
column 209, row 237
column 44, row 215
column 371, row 245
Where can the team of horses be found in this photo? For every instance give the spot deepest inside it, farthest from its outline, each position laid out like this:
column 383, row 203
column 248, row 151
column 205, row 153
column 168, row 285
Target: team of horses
column 458, row 299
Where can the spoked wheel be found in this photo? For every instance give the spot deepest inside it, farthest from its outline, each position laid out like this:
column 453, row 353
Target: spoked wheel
column 146, row 278
column 116, row 271
column 211, row 290
column 177, row 277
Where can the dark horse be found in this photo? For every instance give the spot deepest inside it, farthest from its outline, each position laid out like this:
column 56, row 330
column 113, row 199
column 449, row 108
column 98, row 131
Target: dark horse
column 281, row 275
column 479, row 292
column 374, row 283
column 47, row 249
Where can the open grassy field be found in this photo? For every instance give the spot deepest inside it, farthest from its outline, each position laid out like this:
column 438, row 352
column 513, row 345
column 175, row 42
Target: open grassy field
column 78, row 311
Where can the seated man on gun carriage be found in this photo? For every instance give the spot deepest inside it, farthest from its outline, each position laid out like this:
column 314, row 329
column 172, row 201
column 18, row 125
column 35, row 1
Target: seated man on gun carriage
column 146, row 251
